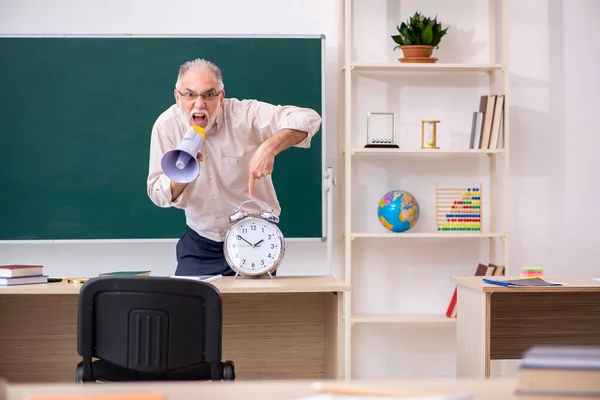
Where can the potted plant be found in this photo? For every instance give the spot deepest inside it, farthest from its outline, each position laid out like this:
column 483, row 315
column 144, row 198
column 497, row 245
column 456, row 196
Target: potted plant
column 417, row 38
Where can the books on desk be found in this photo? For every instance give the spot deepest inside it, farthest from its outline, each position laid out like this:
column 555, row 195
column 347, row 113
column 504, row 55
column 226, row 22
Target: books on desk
column 559, row 372
column 126, row 273
column 481, row 270
column 17, row 274
column 525, row 282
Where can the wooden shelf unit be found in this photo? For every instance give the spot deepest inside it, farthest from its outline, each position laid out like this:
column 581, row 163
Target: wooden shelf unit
column 431, row 235
column 348, row 67
column 437, row 67
column 359, row 151
column 401, row 319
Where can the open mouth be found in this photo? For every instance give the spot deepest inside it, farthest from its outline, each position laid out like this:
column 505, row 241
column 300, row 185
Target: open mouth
column 199, row 119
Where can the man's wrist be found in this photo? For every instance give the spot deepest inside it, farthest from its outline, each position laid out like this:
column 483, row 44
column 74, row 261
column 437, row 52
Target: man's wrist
column 271, row 145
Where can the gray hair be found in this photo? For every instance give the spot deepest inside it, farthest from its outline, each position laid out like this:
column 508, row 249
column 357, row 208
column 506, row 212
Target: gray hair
column 201, row 64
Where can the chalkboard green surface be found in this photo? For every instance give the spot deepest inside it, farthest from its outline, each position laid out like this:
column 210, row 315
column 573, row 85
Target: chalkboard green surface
column 75, row 120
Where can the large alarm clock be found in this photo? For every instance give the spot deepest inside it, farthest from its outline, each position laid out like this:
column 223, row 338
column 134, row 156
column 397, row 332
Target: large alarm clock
column 254, row 245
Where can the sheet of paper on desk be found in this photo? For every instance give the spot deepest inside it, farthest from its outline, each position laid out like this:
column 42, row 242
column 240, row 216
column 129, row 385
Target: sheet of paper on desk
column 341, row 391
column 205, row 278
column 328, row 396
column 99, row 396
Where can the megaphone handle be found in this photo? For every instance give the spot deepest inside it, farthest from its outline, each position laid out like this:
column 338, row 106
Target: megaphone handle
column 256, row 200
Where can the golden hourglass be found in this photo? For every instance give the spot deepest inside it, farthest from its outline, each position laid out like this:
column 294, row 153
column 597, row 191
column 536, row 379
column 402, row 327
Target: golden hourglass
column 428, row 134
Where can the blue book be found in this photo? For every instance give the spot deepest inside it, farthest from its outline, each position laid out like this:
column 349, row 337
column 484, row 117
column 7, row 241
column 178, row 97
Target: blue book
column 526, row 282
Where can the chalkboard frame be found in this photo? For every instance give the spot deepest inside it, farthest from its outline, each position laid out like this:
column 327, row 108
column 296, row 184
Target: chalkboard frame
column 325, row 175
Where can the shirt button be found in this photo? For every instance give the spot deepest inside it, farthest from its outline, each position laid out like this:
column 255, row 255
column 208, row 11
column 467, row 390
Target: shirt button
column 209, row 176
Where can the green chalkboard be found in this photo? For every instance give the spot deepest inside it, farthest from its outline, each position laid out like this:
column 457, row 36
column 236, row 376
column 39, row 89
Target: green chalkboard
column 76, row 115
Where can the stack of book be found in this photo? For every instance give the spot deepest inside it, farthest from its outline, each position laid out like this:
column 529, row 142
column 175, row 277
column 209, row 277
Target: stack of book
column 126, row 273
column 22, row 275
column 481, row 270
column 559, row 372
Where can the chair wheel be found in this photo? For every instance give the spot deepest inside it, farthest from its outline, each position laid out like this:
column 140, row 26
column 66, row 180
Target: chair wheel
column 79, row 374
column 228, row 371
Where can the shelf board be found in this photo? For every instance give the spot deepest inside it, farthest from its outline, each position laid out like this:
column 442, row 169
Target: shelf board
column 361, row 150
column 449, row 67
column 439, row 235
column 401, row 319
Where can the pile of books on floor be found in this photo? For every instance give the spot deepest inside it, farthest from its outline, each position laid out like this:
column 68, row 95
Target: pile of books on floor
column 559, row 372
column 11, row 275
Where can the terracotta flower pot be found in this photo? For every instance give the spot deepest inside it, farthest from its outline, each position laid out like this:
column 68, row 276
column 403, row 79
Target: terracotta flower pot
column 417, row 54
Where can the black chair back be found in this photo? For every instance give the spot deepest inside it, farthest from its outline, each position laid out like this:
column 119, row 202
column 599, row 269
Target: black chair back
column 149, row 328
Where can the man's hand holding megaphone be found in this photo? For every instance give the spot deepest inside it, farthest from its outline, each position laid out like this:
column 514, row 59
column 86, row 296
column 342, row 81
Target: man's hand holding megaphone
column 178, row 163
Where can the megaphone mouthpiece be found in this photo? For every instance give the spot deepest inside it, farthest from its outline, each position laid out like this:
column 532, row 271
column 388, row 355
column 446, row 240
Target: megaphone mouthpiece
column 200, row 131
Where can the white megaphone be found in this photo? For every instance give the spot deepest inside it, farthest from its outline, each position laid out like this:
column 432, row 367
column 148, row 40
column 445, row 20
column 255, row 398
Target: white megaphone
column 180, row 164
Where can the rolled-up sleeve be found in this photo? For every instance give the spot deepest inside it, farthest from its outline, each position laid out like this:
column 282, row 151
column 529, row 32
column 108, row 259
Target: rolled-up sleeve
column 269, row 119
column 158, row 184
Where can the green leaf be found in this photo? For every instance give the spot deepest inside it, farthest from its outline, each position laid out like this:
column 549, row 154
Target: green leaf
column 427, row 35
column 397, row 39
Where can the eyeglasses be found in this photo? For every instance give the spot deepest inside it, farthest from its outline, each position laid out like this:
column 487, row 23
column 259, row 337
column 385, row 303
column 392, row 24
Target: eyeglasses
column 208, row 96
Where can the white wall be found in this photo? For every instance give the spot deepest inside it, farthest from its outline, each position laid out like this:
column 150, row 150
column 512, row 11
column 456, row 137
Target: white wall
column 554, row 100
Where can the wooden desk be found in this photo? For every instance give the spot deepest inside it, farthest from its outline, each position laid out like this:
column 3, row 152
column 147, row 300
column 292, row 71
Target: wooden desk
column 492, row 389
column 500, row 323
column 282, row 328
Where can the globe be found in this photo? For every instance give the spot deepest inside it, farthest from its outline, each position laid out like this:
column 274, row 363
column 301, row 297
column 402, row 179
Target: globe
column 398, row 211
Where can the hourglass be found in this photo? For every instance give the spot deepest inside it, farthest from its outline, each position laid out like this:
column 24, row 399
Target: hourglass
column 428, row 134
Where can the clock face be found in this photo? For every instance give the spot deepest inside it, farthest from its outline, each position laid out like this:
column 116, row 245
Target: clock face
column 254, row 246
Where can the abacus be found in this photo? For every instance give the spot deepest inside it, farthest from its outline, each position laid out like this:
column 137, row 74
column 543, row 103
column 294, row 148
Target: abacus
column 458, row 209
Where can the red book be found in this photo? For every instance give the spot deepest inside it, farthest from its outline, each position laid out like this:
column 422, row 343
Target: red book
column 17, row 271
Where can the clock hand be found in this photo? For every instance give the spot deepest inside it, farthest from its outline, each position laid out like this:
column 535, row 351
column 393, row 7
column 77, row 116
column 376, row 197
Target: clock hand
column 239, row 237
column 257, row 243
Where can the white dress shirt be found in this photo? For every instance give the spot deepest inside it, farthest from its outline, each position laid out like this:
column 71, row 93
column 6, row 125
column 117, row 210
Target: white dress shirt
column 222, row 184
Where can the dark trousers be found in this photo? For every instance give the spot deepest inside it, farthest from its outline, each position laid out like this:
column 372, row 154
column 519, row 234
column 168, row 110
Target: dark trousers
column 197, row 255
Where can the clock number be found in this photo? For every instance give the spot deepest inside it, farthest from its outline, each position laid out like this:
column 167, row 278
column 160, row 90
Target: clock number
column 269, row 255
column 243, row 261
column 252, row 265
column 262, row 262
column 270, row 237
column 253, row 227
column 272, row 246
